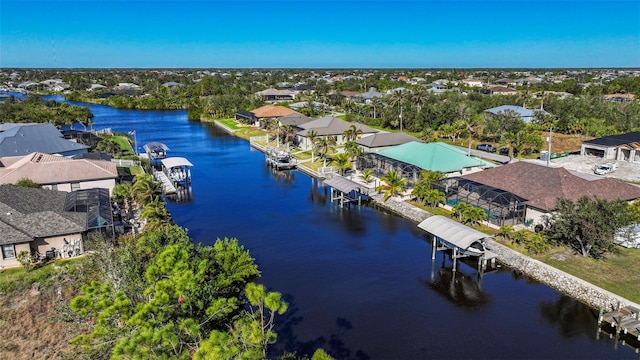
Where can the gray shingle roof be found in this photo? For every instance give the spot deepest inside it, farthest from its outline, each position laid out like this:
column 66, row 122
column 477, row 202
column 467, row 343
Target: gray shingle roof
column 330, row 125
column 23, row 139
column 28, row 213
column 386, row 139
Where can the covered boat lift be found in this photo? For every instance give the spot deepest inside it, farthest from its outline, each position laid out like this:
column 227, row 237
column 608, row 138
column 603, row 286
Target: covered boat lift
column 156, row 151
column 178, row 170
column 461, row 239
column 346, row 191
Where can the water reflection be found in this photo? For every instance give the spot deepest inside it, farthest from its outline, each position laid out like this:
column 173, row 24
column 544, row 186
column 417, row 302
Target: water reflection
column 571, row 317
column 183, row 195
column 319, row 193
column 281, row 176
column 335, row 344
column 458, row 287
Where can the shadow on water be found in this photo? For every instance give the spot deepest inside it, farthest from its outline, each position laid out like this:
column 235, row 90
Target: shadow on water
column 286, row 177
column 571, row 317
column 334, row 345
column 462, row 289
column 183, row 195
column 319, row 194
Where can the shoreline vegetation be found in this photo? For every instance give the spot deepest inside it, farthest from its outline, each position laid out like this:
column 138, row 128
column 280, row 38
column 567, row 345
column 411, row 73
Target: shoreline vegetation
column 455, row 116
column 618, row 274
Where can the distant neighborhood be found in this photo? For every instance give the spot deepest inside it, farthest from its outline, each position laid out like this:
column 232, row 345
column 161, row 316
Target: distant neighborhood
column 489, row 134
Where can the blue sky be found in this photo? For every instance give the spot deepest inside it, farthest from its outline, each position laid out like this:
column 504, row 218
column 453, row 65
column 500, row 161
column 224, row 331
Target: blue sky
column 328, row 34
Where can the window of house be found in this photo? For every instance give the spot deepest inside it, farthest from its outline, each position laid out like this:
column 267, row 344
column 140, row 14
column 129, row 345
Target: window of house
column 8, row 252
column 75, row 186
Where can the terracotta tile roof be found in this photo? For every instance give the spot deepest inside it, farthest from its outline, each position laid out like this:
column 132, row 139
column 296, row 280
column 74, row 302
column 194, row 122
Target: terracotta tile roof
column 52, row 169
column 272, row 111
column 542, row 185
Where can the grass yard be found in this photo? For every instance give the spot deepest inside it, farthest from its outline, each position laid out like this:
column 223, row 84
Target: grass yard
column 124, row 144
column 130, row 170
column 618, row 273
column 230, row 123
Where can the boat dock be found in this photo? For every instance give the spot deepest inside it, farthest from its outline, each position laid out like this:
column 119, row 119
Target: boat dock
column 625, row 321
column 280, row 160
column 167, row 185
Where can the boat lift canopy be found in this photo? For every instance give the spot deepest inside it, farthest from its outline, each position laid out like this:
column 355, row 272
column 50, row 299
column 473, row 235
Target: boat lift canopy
column 175, row 162
column 452, row 232
column 155, row 147
column 343, row 184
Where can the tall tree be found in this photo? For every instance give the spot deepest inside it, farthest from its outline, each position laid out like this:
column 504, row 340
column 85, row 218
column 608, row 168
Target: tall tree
column 589, row 225
column 392, row 184
column 342, row 161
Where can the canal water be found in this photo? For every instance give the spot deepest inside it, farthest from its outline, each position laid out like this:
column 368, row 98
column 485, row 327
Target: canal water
column 360, row 282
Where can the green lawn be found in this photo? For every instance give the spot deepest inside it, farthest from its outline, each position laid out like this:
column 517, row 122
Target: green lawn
column 124, row 144
column 230, row 123
column 618, row 273
column 130, row 170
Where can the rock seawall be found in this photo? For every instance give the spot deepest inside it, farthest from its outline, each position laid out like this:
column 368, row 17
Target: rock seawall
column 565, row 283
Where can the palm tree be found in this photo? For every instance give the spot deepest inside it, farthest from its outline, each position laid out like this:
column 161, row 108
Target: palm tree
column 324, row 145
column 287, row 132
column 420, row 97
column 312, row 135
column 156, row 214
column 434, row 197
column 428, row 135
column 352, row 133
column 393, row 184
column 343, row 162
column 397, row 99
column 367, row 176
column 353, row 150
column 376, row 102
column 474, row 215
column 459, row 210
column 505, row 232
column 144, row 189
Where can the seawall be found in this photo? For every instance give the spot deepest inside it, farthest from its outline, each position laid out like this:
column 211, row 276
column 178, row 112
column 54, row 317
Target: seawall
column 557, row 279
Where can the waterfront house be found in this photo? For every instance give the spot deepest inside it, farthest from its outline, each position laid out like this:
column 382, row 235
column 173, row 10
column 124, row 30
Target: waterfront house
column 270, row 112
column 625, row 147
column 411, row 158
column 524, row 193
column 246, row 117
column 295, row 120
column 329, row 126
column 35, row 220
column 58, row 172
column 23, row 139
column 384, row 140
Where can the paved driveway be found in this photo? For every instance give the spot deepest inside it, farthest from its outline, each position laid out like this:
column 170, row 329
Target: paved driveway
column 585, row 164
